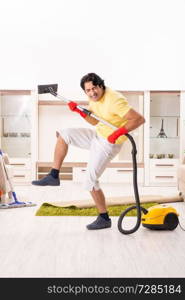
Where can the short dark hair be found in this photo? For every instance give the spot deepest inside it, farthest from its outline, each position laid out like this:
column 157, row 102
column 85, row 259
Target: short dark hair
column 96, row 80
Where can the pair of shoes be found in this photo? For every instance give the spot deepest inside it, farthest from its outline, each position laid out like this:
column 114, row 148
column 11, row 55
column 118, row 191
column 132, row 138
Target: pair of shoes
column 47, row 180
column 99, row 223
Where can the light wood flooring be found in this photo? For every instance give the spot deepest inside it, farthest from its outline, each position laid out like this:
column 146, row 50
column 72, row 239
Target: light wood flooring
column 33, row 246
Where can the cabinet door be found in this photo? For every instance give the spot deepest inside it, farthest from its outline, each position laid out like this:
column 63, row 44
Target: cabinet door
column 164, row 124
column 164, row 138
column 15, row 125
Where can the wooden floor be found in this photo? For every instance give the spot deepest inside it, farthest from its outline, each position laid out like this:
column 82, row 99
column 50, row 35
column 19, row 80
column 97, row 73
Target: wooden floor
column 62, row 246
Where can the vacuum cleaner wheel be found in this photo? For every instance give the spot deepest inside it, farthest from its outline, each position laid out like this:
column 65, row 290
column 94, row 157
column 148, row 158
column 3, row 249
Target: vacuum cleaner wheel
column 171, row 221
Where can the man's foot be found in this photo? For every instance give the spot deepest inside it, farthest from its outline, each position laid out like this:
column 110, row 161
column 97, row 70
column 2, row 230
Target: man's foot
column 99, row 223
column 47, row 180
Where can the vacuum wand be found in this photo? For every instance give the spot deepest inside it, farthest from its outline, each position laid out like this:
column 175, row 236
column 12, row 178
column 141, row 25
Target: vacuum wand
column 52, row 89
column 86, row 111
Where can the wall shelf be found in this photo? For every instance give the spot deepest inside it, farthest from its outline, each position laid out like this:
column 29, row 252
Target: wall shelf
column 84, row 164
column 69, row 170
column 154, row 137
column 165, row 116
column 58, row 102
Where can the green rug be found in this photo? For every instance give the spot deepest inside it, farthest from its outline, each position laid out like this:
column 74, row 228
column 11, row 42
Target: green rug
column 50, row 210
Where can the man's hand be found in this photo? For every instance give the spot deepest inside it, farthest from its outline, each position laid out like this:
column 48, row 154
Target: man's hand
column 73, row 106
column 116, row 134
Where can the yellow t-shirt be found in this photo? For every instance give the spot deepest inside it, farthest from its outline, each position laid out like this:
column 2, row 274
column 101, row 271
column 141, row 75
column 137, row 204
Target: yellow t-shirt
column 111, row 107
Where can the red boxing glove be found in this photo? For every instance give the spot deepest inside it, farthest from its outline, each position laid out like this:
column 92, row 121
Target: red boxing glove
column 116, row 134
column 73, row 106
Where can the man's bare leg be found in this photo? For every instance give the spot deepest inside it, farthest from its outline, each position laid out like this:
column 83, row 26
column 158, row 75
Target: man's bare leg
column 104, row 221
column 60, row 152
column 99, row 199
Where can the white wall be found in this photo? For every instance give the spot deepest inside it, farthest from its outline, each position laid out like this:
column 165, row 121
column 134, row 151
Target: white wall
column 134, row 45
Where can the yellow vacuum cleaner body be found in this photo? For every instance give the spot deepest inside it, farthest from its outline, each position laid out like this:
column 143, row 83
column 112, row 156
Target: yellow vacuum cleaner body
column 160, row 217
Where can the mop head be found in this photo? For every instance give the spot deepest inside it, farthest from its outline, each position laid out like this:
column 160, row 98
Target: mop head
column 47, row 88
column 16, row 204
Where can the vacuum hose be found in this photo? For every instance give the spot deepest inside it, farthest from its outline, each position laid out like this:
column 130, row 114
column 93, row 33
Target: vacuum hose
column 138, row 207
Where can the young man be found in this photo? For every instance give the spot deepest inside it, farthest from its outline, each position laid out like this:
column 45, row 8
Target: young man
column 103, row 143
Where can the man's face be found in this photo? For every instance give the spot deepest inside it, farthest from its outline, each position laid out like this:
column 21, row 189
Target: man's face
column 92, row 91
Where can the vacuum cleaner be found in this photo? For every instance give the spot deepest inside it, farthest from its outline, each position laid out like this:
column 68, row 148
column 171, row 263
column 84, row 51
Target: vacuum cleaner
column 159, row 217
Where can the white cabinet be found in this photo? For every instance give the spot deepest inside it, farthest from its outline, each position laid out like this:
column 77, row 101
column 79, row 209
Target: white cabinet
column 163, row 110
column 15, row 131
column 163, row 137
column 28, row 135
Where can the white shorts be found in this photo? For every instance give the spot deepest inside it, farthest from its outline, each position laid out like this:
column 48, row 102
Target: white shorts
column 101, row 152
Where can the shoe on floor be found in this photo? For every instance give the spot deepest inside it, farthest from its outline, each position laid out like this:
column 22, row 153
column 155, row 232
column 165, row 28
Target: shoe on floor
column 99, row 223
column 47, row 180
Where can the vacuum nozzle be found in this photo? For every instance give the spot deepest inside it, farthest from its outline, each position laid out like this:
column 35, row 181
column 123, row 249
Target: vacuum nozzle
column 47, row 88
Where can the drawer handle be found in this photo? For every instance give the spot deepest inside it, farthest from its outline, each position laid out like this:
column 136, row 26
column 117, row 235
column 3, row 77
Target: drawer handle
column 164, row 165
column 19, row 176
column 164, row 176
column 83, row 170
column 124, row 171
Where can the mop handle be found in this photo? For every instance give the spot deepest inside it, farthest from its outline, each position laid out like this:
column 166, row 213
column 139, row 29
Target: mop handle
column 7, row 177
column 86, row 111
column 6, row 173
